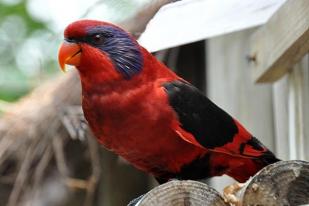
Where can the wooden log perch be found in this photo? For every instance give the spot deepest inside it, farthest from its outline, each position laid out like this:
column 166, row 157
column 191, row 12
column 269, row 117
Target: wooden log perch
column 282, row 183
column 184, row 193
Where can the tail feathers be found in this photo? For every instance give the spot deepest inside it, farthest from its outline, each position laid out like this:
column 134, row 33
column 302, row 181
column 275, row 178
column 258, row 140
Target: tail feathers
column 255, row 148
column 252, row 166
column 268, row 158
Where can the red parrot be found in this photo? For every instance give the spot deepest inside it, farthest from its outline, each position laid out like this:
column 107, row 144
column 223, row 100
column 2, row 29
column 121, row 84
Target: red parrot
column 141, row 110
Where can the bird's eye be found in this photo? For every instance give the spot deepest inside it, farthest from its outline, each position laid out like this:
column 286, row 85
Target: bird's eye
column 70, row 39
column 97, row 38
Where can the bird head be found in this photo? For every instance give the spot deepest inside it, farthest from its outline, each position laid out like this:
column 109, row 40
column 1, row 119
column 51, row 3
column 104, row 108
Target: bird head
column 100, row 49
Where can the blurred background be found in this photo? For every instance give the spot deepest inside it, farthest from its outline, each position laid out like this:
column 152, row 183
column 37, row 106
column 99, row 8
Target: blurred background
column 31, row 31
column 57, row 172
column 48, row 156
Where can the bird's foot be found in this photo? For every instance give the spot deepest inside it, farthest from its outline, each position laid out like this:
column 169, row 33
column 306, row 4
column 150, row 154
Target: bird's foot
column 230, row 193
column 74, row 121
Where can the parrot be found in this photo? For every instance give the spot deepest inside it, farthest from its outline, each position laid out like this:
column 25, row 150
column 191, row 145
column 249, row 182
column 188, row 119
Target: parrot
column 141, row 110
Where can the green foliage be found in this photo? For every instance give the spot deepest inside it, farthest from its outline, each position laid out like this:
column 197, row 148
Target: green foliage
column 16, row 27
column 20, row 10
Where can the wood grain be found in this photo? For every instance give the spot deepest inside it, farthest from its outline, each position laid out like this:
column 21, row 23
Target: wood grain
column 182, row 193
column 282, row 183
column 280, row 43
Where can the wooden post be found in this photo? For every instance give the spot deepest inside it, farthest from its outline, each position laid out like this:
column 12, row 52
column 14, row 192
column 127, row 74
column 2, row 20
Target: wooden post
column 181, row 193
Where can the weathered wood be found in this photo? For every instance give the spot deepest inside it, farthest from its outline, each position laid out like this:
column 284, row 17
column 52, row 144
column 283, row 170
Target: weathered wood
column 137, row 24
column 297, row 109
column 282, row 42
column 182, row 193
column 190, row 21
column 281, row 118
column 282, row 183
column 291, row 112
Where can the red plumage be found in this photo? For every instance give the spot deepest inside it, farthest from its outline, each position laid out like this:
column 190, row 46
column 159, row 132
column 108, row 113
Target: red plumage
column 140, row 113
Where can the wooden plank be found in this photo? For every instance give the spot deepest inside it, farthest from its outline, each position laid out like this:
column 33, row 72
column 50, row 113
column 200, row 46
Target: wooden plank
column 298, row 110
column 281, row 117
column 188, row 21
column 282, row 42
column 305, row 103
column 291, row 112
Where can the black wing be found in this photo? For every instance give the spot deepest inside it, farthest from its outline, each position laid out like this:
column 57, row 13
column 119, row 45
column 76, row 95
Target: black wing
column 210, row 125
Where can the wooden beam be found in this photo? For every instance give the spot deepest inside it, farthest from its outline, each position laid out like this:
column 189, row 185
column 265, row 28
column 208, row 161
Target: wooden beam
column 280, row 43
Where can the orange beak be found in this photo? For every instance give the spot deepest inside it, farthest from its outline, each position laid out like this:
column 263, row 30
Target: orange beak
column 69, row 53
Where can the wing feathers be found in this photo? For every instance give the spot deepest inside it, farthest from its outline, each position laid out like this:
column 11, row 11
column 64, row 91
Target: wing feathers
column 203, row 124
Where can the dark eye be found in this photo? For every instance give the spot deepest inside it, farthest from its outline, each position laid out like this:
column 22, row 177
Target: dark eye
column 70, row 39
column 97, row 38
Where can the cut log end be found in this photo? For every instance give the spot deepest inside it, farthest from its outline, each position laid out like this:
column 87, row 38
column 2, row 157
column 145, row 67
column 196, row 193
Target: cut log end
column 282, row 183
column 182, row 193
